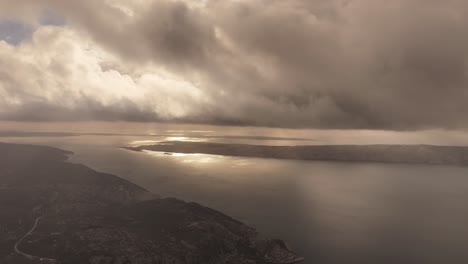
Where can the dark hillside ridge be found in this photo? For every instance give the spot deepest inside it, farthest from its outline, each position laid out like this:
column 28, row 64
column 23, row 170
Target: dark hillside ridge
column 84, row 216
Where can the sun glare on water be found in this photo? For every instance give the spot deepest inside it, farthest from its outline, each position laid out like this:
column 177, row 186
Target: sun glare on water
column 188, row 157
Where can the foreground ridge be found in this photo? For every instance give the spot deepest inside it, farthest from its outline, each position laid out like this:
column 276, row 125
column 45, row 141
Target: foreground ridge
column 84, row 216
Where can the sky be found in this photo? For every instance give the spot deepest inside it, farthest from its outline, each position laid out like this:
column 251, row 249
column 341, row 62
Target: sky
column 327, row 64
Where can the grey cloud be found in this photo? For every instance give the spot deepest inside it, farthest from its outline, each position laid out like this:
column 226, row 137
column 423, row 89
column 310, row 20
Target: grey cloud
column 328, row 64
column 13, row 32
column 88, row 109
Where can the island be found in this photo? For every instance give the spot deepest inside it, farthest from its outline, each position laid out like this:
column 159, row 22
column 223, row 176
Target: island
column 413, row 154
column 54, row 211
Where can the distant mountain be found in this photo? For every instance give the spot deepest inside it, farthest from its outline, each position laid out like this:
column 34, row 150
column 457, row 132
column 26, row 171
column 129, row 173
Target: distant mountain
column 417, row 154
column 53, row 211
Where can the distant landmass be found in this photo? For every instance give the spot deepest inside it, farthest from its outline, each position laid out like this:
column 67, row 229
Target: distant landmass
column 10, row 133
column 53, row 211
column 414, row 154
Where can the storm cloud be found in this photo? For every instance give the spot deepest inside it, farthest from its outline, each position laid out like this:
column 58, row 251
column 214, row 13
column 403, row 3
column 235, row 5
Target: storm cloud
column 373, row 64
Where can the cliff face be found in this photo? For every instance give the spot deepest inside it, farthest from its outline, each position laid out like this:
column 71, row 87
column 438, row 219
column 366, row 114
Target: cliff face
column 416, row 154
column 84, row 216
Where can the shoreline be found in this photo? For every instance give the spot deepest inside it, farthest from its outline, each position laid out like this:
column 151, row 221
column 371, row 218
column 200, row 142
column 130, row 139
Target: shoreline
column 84, row 206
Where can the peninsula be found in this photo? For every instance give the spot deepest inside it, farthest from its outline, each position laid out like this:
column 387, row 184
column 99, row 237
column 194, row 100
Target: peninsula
column 414, row 154
column 54, row 211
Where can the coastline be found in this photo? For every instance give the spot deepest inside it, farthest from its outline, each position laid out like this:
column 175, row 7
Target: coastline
column 83, row 206
column 405, row 154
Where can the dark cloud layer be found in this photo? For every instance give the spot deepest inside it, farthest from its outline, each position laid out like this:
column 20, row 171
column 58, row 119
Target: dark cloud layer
column 328, row 64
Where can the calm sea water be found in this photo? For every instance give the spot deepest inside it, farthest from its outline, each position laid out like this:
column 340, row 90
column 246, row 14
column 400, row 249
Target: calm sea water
column 329, row 212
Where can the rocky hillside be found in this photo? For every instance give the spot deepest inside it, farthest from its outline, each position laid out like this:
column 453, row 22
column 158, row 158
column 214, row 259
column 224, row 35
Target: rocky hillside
column 54, row 211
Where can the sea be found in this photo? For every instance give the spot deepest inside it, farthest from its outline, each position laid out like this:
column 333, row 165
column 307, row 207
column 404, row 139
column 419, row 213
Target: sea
column 328, row 212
